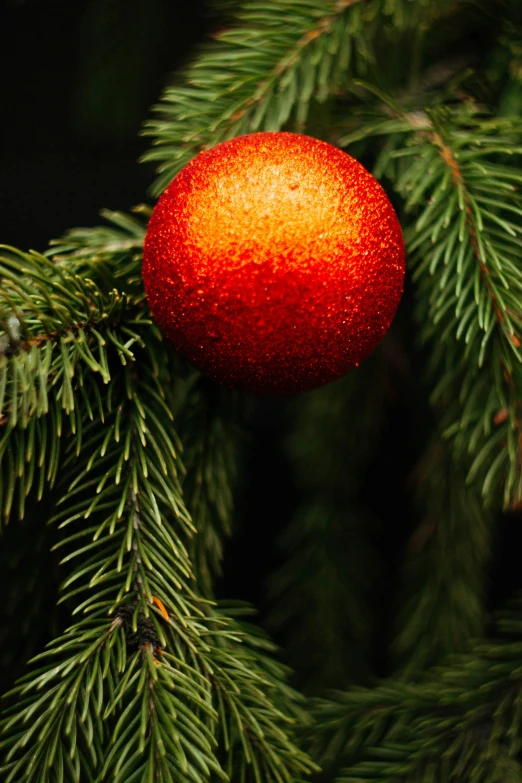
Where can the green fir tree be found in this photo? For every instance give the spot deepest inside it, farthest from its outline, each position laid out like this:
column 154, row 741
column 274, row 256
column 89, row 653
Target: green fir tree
column 120, row 464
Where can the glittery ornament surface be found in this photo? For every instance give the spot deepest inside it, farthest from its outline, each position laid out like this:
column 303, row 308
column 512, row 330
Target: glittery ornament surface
column 274, row 262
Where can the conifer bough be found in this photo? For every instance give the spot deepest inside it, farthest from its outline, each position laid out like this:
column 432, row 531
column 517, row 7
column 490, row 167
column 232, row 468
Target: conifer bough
column 151, row 681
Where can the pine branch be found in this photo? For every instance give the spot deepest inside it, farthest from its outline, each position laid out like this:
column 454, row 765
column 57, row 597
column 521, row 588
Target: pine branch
column 164, row 729
column 462, row 722
column 323, row 589
column 263, row 72
column 127, row 479
column 130, row 465
column 257, row 709
column 42, row 305
column 126, row 524
column 110, row 255
column 209, row 437
column 54, row 727
column 476, row 306
column 444, row 575
column 454, row 169
column 59, row 332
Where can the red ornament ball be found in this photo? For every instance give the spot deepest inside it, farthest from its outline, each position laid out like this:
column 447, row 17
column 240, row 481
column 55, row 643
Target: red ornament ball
column 274, row 262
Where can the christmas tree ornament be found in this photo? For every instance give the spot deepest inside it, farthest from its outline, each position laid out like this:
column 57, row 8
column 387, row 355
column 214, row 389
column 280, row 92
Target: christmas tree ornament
column 274, row 262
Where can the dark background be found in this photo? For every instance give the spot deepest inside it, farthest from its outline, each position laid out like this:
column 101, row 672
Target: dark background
column 77, row 80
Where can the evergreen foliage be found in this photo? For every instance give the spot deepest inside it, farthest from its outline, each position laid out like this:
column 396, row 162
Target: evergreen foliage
column 130, row 457
column 325, row 587
column 133, row 690
column 444, row 576
column 453, row 171
column 210, row 436
column 265, row 70
column 460, row 722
